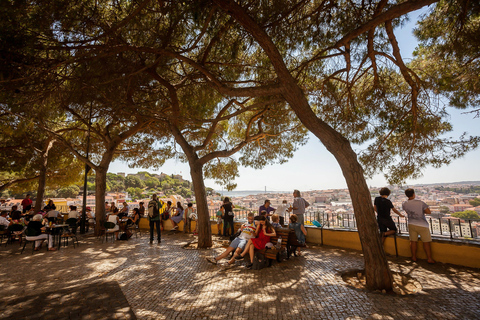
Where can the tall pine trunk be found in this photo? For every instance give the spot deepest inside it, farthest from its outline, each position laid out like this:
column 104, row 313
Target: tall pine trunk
column 100, row 189
column 378, row 275
column 42, row 179
column 377, row 272
column 203, row 225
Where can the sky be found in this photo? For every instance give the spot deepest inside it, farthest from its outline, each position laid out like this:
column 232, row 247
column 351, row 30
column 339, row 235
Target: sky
column 314, row 168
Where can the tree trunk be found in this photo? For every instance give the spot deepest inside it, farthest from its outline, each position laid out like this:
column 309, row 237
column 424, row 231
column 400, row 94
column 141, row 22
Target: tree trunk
column 377, row 272
column 378, row 275
column 203, row 224
column 42, row 179
column 100, row 189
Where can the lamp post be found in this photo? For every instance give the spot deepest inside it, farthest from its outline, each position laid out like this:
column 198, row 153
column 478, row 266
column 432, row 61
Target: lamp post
column 87, row 169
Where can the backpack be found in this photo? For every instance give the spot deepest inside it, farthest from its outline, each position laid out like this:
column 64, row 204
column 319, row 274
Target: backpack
column 259, row 261
column 124, row 236
column 152, row 209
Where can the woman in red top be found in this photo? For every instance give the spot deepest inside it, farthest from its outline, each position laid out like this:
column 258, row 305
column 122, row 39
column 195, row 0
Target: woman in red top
column 263, row 233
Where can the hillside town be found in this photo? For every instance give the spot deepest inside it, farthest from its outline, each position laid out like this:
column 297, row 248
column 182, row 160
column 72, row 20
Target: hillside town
column 333, row 207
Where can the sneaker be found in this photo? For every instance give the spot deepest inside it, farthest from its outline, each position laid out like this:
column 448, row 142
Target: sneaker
column 212, row 260
column 238, row 258
column 175, row 228
column 249, row 266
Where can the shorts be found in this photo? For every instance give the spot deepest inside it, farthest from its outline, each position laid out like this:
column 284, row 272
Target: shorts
column 238, row 243
column 414, row 231
column 385, row 223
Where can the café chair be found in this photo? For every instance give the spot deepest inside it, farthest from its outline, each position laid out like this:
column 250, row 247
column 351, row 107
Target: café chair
column 68, row 232
column 3, row 234
column 135, row 228
column 14, row 230
column 108, row 230
column 27, row 234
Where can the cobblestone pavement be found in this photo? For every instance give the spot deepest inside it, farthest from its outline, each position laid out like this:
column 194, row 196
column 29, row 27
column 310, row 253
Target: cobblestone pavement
column 128, row 280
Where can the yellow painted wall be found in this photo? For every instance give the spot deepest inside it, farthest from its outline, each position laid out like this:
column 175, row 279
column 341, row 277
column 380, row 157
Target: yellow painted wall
column 442, row 250
column 463, row 254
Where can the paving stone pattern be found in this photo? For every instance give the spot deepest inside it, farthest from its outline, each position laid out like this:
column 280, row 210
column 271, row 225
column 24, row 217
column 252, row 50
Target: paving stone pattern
column 135, row 280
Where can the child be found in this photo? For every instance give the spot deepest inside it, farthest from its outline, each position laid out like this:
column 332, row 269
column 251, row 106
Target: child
column 300, row 232
column 382, row 207
column 220, row 214
column 275, row 221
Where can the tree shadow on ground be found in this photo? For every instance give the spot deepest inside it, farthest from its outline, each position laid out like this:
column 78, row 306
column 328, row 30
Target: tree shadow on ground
column 99, row 300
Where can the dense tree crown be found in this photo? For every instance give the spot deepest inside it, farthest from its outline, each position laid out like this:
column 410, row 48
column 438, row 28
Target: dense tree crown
column 222, row 83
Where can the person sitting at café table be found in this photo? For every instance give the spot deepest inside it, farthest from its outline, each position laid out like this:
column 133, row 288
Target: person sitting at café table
column 30, row 213
column 112, row 207
column 73, row 213
column 50, row 206
column 15, row 214
column 4, row 223
column 35, row 228
column 113, row 217
column 124, row 211
column 52, row 215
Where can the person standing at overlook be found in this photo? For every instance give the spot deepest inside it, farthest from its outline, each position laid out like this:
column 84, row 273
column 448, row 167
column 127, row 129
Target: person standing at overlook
column 282, row 212
column 298, row 207
column 382, row 206
column 228, row 217
column 417, row 224
column 267, row 208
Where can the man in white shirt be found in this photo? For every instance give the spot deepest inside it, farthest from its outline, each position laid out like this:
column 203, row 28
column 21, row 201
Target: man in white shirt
column 3, row 220
column 417, row 224
column 282, row 212
column 248, row 232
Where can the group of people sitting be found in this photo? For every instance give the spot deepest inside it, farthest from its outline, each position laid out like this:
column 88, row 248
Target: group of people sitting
column 256, row 234
column 35, row 229
column 116, row 215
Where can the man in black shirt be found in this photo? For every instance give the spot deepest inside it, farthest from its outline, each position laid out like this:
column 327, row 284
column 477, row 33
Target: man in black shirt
column 382, row 207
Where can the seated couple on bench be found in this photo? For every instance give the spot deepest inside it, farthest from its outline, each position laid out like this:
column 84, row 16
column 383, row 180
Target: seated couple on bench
column 248, row 232
column 255, row 234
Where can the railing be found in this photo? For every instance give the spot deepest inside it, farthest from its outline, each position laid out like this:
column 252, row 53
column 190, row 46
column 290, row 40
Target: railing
column 238, row 214
column 453, row 228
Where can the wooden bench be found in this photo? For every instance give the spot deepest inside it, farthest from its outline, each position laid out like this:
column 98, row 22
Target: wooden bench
column 274, row 253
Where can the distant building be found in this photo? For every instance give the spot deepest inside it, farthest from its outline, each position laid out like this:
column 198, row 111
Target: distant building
column 121, row 174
